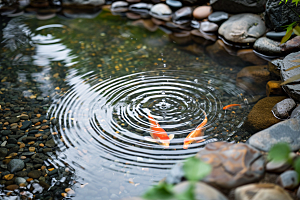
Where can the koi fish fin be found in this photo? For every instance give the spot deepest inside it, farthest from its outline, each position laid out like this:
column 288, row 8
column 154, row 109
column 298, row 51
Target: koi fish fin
column 171, row 136
column 149, row 139
column 202, row 140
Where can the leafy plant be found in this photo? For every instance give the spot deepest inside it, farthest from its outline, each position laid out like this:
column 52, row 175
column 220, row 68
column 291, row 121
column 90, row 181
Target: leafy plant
column 194, row 170
column 280, row 152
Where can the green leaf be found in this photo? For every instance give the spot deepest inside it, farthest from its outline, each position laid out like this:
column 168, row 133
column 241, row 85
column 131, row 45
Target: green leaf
column 296, row 166
column 287, row 36
column 292, row 79
column 293, row 68
column 195, row 169
column 160, row 191
column 279, row 152
column 188, row 194
column 296, row 30
column 295, row 1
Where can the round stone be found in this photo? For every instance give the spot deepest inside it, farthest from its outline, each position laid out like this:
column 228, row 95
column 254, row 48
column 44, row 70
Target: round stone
column 232, row 164
column 218, row 17
column 288, row 179
column 275, row 35
column 267, row 47
column 284, row 108
column 174, row 4
column 208, row 27
column 15, row 165
column 202, row 12
column 20, row 180
column 161, row 11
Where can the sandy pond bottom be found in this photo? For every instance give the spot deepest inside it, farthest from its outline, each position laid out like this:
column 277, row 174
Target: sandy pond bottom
column 99, row 78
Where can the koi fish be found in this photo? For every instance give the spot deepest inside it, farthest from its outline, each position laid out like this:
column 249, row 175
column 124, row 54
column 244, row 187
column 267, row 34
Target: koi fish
column 158, row 134
column 231, row 105
column 199, row 131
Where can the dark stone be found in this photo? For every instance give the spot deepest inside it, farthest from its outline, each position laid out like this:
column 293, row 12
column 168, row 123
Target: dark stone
column 35, row 174
column 285, row 131
column 183, row 15
column 53, row 172
column 22, row 174
column 12, row 141
column 276, row 16
column 9, row 146
column 141, row 8
column 14, row 120
column 238, row 6
column 29, row 139
column 174, row 4
column 47, row 150
column 15, row 165
column 25, row 125
column 274, row 67
column 44, row 184
column 267, row 47
column 291, row 45
column 3, row 152
column 218, row 17
column 293, row 89
column 284, row 108
column 38, row 160
column 6, row 132
column 275, row 35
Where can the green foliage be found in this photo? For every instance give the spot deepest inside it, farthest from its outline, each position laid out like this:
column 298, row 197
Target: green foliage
column 296, row 166
column 279, row 152
column 195, row 169
column 160, row 191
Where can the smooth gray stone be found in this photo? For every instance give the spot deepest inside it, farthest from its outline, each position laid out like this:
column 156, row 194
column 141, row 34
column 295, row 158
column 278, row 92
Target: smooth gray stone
column 183, row 15
column 218, row 17
column 3, row 152
column 275, row 35
column 284, row 108
column 25, row 125
column 142, row 8
column 288, row 179
column 285, row 131
column 15, row 165
column 202, row 191
column 174, row 4
column 243, row 28
column 161, row 11
column 20, row 180
column 208, row 27
column 267, row 47
column 84, row 2
column 293, row 90
column 296, row 112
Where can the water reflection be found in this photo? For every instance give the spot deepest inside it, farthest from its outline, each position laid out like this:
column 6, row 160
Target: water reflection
column 101, row 76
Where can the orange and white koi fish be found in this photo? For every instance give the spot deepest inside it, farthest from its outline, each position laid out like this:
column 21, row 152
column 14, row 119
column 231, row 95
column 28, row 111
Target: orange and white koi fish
column 198, row 132
column 231, row 105
column 158, row 134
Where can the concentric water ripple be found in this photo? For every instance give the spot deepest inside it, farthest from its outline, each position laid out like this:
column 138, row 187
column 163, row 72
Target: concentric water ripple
column 104, row 123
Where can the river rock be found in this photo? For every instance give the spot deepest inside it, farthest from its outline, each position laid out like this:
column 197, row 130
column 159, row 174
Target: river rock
column 35, row 174
column 161, row 11
column 20, row 180
column 273, row 35
column 174, row 4
column 183, row 15
column 181, row 38
column 249, row 56
column 267, row 47
column 296, row 112
column 238, row 6
column 274, row 88
column 201, row 191
column 261, row 116
column 261, row 191
column 15, row 165
column 3, row 152
column 119, row 6
column 277, row 167
column 82, row 3
column 274, row 67
column 291, row 45
column 232, row 164
column 253, row 78
column 287, row 16
column 285, row 131
column 141, row 8
column 292, row 89
column 243, row 28
column 202, row 12
column 218, row 17
column 284, row 108
column 208, row 27
column 288, row 179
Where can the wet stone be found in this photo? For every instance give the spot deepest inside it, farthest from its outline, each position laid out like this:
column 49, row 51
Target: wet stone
column 3, row 152
column 296, row 112
column 291, row 45
column 275, row 35
column 50, row 143
column 183, row 15
column 239, row 6
column 12, row 141
column 267, row 47
column 174, row 4
column 21, row 174
column 25, row 125
column 20, row 180
column 208, row 27
column 232, row 164
column 15, row 165
column 6, row 132
column 243, row 28
column 218, row 17
column 284, row 108
column 141, row 8
column 119, row 6
column 161, row 11
column 35, row 174
column 14, row 120
column 288, row 179
column 266, row 191
column 202, row 12
column 285, row 131
column 29, row 139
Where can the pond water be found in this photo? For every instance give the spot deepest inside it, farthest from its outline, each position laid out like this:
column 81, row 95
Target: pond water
column 101, row 78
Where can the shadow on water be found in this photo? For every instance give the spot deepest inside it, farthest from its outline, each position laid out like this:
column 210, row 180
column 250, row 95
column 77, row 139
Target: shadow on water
column 102, row 76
